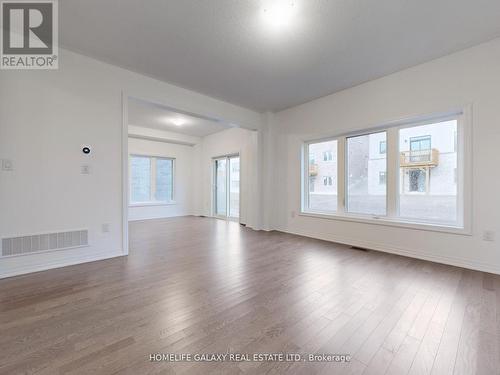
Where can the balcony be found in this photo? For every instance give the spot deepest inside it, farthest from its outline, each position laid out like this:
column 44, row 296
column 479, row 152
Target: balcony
column 313, row 170
column 421, row 158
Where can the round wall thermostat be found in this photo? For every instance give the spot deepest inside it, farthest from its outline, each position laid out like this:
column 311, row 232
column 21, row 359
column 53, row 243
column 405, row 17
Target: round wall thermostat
column 86, row 150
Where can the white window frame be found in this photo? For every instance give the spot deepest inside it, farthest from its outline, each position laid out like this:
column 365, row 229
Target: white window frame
column 464, row 174
column 152, row 193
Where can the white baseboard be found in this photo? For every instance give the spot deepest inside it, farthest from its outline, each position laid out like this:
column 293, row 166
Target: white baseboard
column 22, row 270
column 452, row 261
column 157, row 218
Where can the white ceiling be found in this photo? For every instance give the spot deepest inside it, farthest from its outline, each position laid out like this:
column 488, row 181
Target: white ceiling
column 154, row 116
column 221, row 47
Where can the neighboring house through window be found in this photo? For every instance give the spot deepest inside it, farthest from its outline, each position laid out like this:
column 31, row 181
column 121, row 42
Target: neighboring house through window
column 382, row 178
column 328, row 155
column 383, row 147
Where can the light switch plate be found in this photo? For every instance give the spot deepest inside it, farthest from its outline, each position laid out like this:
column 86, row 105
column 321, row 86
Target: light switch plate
column 7, row 165
column 489, row 235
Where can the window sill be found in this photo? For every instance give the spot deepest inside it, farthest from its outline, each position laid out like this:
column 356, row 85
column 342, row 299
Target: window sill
column 147, row 204
column 407, row 224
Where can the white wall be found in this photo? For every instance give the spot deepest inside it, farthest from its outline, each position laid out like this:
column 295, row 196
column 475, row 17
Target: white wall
column 45, row 118
column 469, row 77
column 156, row 134
column 183, row 179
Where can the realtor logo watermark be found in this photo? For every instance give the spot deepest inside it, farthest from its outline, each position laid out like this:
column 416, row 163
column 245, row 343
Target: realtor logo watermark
column 29, row 34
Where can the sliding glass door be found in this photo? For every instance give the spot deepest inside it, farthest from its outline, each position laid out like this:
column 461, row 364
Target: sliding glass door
column 227, row 187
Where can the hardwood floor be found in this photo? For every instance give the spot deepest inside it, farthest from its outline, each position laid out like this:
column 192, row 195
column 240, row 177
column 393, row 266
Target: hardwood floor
column 197, row 285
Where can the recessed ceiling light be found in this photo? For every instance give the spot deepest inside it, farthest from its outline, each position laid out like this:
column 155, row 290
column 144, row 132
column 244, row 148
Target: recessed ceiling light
column 178, row 121
column 278, row 15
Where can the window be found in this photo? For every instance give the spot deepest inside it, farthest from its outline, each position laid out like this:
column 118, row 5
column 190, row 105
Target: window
column 140, row 178
column 420, row 143
column 412, row 174
column 428, row 183
column 164, row 179
column 417, row 180
column 321, row 191
column 365, row 195
column 382, row 178
column 151, row 179
column 328, row 155
column 382, row 147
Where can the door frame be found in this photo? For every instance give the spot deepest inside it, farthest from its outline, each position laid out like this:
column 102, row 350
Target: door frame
column 227, row 157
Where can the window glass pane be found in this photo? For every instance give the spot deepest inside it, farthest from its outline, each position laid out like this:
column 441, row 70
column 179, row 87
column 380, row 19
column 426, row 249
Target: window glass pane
column 365, row 166
column 383, row 147
column 164, row 180
column 382, row 178
column 220, row 187
column 427, row 176
column 322, row 176
column 140, row 179
column 234, row 187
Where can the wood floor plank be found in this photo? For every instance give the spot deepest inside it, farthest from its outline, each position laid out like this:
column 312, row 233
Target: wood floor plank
column 446, row 356
column 403, row 359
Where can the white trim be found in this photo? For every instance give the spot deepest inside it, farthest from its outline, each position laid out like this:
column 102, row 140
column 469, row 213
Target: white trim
column 464, row 167
column 162, row 140
column 125, row 180
column 452, row 261
column 163, row 217
column 150, row 155
column 60, row 263
column 153, row 203
column 341, row 175
column 378, row 220
column 392, row 172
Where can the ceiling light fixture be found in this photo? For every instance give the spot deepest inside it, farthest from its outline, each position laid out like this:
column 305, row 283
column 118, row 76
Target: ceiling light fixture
column 278, row 15
column 178, row 121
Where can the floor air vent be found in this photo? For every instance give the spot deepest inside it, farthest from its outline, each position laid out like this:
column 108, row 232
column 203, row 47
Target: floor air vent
column 44, row 242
